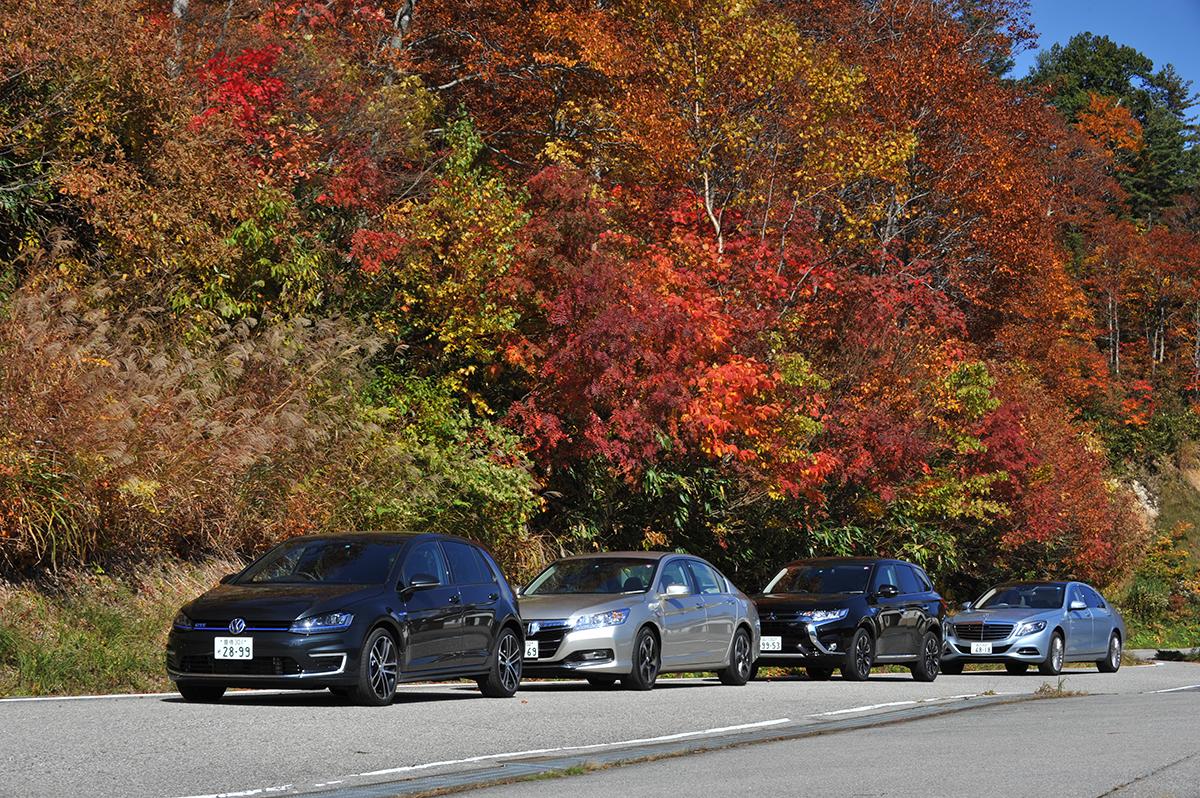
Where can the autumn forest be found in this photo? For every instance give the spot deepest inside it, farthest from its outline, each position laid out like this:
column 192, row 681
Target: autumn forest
column 758, row 279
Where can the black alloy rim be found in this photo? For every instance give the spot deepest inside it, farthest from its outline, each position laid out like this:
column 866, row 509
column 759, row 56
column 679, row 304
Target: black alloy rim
column 647, row 660
column 862, row 655
column 931, row 656
column 510, row 662
column 383, row 667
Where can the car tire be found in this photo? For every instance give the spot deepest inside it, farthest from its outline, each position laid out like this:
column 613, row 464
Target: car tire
column 378, row 670
column 646, row 662
column 819, row 674
column 741, row 661
column 200, row 693
column 754, row 671
column 952, row 667
column 1016, row 668
column 1053, row 663
column 602, row 682
column 929, row 659
column 859, row 657
column 1112, row 662
column 504, row 678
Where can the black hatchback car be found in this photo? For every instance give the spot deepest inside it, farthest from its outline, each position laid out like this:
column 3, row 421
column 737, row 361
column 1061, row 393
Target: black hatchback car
column 851, row 614
column 355, row 613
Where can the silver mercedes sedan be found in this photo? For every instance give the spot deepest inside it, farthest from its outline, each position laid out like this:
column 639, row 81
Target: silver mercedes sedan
column 1035, row 623
column 634, row 615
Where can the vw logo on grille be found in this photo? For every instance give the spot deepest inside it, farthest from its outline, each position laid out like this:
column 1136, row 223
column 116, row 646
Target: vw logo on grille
column 534, row 627
column 237, row 626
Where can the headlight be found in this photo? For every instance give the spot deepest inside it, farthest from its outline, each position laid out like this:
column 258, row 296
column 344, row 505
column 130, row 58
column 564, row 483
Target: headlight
column 1030, row 627
column 823, row 616
column 182, row 622
column 329, row 622
column 610, row 618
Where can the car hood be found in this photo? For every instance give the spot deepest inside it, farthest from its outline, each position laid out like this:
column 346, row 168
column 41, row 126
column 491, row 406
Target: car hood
column 564, row 606
column 275, row 602
column 796, row 602
column 1003, row 615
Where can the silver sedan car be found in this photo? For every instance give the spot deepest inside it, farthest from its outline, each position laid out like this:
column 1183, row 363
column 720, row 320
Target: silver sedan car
column 1035, row 623
column 634, row 615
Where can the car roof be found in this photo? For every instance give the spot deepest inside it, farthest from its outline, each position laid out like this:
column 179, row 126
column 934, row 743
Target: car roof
column 641, row 555
column 843, row 561
column 1034, row 583
column 385, row 536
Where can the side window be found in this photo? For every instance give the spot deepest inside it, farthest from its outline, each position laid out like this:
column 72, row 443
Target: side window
column 1076, row 595
column 707, row 581
column 923, row 578
column 1092, row 598
column 485, row 563
column 673, row 574
column 885, row 575
column 909, row 583
column 465, row 565
column 425, row 559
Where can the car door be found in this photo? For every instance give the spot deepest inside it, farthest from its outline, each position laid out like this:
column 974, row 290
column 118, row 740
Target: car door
column 720, row 609
column 432, row 615
column 479, row 592
column 889, row 612
column 682, row 613
column 1102, row 620
column 912, row 620
column 1079, row 624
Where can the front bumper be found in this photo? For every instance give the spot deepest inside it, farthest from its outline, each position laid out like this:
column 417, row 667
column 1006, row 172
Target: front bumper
column 804, row 644
column 1029, row 649
column 281, row 660
column 563, row 652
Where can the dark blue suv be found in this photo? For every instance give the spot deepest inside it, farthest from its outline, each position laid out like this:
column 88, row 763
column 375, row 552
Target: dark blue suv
column 851, row 614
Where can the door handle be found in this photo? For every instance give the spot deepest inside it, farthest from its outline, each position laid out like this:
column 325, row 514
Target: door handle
column 455, row 599
column 493, row 596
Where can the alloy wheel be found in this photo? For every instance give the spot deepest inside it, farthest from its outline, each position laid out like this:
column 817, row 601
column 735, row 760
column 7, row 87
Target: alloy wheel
column 862, row 655
column 932, row 660
column 383, row 667
column 647, row 660
column 510, row 662
column 1114, row 652
column 1057, row 652
column 741, row 656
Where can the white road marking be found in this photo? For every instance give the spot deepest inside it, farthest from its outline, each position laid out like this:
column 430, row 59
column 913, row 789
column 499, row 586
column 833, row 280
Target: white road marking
column 1177, row 689
column 562, row 749
column 869, row 707
column 509, row 755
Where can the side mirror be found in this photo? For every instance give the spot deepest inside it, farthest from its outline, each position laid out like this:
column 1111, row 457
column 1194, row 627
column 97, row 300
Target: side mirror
column 966, row 605
column 422, row 582
column 520, row 590
column 1076, row 606
column 227, row 578
column 676, row 590
column 888, row 591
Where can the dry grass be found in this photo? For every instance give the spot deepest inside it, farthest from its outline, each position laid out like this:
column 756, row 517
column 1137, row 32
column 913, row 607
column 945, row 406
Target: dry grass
column 92, row 632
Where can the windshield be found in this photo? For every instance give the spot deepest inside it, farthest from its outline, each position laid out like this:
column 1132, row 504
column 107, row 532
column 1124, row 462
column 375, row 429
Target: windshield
column 594, row 575
column 333, row 562
column 1038, row 597
column 820, row 579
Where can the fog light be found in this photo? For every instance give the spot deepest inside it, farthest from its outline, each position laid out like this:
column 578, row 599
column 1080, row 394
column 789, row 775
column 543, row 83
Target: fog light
column 595, row 654
column 832, row 646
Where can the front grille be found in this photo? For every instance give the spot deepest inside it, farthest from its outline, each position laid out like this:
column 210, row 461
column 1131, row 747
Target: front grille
column 982, row 631
column 207, row 665
column 549, row 635
column 251, row 625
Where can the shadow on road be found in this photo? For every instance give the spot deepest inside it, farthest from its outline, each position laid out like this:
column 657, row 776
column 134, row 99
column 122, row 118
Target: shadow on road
column 323, row 698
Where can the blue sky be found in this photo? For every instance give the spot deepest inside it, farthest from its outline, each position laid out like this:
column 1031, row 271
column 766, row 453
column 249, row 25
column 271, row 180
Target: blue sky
column 1168, row 31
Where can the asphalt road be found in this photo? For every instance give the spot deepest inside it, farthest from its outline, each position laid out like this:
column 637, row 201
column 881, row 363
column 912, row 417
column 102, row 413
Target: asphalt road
column 298, row 742
column 1123, row 746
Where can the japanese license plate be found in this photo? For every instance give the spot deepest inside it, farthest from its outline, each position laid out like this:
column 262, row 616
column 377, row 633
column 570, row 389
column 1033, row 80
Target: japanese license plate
column 981, row 648
column 770, row 643
column 233, row 648
column 531, row 649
